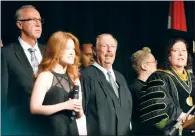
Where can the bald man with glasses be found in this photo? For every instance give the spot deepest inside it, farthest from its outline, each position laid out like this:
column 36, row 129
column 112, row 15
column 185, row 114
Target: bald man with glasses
column 20, row 62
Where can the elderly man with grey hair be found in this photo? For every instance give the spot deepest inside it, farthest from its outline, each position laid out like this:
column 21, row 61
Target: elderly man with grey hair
column 107, row 99
column 20, row 62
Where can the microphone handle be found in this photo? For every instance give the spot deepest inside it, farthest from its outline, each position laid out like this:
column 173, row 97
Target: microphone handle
column 76, row 96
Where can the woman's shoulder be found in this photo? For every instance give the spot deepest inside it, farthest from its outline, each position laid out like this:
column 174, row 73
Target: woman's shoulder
column 45, row 75
column 160, row 74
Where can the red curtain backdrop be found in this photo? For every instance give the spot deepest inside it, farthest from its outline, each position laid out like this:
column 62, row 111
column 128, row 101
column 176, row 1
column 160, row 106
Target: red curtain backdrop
column 177, row 17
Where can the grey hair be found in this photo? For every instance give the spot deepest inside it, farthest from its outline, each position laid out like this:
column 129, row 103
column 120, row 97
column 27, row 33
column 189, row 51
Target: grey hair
column 17, row 15
column 102, row 35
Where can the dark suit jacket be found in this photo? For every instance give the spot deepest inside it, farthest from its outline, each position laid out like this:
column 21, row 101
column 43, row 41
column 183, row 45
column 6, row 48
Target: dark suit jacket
column 105, row 113
column 16, row 87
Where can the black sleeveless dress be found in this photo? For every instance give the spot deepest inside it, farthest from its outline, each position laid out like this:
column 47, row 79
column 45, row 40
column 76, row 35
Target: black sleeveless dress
column 61, row 123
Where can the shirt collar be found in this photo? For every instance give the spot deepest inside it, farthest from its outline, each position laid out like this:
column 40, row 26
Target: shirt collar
column 25, row 45
column 102, row 69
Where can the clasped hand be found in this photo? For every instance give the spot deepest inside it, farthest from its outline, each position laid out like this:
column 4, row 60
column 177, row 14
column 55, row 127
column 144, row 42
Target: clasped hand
column 76, row 105
column 184, row 117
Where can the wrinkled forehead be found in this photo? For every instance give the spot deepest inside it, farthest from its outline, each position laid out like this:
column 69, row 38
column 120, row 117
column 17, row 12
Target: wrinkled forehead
column 29, row 12
column 108, row 40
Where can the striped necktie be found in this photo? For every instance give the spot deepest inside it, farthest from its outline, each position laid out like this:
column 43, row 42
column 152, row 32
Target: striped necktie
column 113, row 83
column 34, row 61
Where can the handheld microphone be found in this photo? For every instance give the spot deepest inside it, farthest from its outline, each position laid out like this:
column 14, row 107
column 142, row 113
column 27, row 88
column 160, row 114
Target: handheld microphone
column 75, row 92
column 75, row 95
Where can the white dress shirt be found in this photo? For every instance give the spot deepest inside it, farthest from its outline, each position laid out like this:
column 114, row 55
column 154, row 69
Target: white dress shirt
column 105, row 71
column 26, row 46
column 81, row 122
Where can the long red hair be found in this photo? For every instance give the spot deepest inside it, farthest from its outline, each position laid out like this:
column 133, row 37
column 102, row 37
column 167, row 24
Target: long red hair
column 55, row 46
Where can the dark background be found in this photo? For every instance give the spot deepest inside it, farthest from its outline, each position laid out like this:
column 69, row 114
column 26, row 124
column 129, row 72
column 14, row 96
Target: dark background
column 133, row 24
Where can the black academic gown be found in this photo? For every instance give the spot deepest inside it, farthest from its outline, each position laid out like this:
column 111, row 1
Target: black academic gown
column 165, row 99
column 105, row 113
column 135, row 87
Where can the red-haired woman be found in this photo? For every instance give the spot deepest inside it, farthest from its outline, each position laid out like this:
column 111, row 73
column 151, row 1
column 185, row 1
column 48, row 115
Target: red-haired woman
column 58, row 73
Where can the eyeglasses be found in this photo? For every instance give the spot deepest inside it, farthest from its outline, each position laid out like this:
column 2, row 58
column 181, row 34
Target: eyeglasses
column 153, row 62
column 33, row 19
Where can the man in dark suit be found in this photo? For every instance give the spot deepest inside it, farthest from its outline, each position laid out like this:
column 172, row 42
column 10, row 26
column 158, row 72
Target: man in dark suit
column 19, row 64
column 107, row 99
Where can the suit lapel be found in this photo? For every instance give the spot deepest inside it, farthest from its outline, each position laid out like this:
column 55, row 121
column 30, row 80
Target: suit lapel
column 122, row 89
column 23, row 59
column 106, row 87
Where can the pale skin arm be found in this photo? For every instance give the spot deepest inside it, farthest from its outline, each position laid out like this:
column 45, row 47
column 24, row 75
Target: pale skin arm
column 42, row 84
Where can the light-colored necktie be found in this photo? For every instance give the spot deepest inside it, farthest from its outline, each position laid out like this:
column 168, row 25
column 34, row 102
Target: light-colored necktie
column 113, row 84
column 34, row 60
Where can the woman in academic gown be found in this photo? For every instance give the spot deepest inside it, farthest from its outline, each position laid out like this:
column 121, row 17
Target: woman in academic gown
column 170, row 91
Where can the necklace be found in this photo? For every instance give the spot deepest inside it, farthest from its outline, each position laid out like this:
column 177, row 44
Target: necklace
column 185, row 78
column 189, row 100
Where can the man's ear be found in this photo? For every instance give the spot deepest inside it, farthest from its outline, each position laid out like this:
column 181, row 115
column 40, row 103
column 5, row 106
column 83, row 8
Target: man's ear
column 144, row 66
column 94, row 51
column 19, row 25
